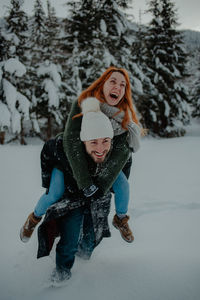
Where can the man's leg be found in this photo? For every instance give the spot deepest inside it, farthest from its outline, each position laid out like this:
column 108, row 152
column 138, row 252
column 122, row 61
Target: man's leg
column 70, row 227
column 87, row 241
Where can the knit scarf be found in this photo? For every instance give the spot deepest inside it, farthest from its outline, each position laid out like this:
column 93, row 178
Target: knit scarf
column 116, row 121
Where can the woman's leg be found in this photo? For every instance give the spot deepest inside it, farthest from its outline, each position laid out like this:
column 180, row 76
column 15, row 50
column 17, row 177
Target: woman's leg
column 120, row 220
column 56, row 191
column 121, row 190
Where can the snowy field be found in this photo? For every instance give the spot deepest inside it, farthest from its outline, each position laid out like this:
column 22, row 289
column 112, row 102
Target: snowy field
column 163, row 263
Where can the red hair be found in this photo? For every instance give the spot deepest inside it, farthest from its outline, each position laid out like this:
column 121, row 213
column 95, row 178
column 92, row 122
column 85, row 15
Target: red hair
column 125, row 105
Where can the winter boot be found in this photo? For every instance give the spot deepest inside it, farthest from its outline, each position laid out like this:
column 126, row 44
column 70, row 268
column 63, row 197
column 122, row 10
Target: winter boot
column 59, row 277
column 28, row 228
column 122, row 225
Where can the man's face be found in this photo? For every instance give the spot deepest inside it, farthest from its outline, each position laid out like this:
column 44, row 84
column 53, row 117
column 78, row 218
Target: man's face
column 98, row 149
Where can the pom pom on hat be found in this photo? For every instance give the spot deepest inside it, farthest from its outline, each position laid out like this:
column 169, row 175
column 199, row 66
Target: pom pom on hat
column 90, row 104
column 95, row 124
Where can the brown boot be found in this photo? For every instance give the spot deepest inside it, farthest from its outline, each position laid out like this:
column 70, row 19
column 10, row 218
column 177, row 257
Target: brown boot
column 28, row 228
column 122, row 225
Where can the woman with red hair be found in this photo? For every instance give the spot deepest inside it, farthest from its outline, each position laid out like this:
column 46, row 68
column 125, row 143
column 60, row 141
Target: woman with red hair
column 110, row 94
column 113, row 91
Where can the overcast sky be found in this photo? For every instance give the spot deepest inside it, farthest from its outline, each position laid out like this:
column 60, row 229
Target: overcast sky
column 188, row 11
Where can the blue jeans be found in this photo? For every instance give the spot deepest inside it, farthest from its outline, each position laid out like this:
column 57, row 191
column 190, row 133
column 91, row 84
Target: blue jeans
column 57, row 188
column 70, row 228
column 121, row 190
column 56, row 191
column 69, row 235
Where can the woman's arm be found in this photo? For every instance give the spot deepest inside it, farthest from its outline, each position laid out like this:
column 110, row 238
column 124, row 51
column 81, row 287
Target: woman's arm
column 114, row 164
column 75, row 152
column 74, row 149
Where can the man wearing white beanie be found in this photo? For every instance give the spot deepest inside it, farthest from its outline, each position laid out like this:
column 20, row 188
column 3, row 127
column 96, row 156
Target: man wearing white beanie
column 96, row 130
column 74, row 212
column 95, row 124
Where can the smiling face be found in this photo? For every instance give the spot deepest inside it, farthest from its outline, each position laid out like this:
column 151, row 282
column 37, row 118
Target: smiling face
column 114, row 88
column 98, row 149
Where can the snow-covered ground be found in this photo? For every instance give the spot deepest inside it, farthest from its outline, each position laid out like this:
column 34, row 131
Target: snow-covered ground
column 164, row 260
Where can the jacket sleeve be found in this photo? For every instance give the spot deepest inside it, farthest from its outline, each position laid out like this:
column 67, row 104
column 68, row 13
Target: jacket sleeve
column 115, row 163
column 74, row 149
column 46, row 163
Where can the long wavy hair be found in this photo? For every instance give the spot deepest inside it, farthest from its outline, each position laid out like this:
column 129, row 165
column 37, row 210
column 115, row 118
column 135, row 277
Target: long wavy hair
column 126, row 103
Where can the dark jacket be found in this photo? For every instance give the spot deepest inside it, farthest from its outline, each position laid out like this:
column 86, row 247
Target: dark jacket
column 49, row 229
column 52, row 155
column 74, row 151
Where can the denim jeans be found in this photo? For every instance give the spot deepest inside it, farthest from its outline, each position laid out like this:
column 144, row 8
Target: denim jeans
column 70, row 228
column 86, row 242
column 121, row 190
column 56, row 191
column 57, row 188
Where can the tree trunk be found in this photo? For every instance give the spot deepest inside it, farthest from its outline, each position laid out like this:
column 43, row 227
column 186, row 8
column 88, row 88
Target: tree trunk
column 2, row 137
column 22, row 140
column 49, row 128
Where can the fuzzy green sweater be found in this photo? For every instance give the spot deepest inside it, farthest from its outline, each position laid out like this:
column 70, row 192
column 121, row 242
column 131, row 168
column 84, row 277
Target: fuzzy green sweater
column 75, row 152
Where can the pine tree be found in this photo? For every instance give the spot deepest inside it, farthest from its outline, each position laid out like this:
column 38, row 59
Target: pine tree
column 83, row 42
column 166, row 110
column 37, row 51
column 13, row 100
column 196, row 95
column 4, row 42
column 96, row 29
column 17, row 25
column 14, row 104
column 47, row 111
column 196, row 102
column 51, row 34
column 38, row 34
column 114, row 30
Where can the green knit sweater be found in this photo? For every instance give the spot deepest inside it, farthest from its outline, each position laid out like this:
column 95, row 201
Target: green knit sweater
column 75, row 152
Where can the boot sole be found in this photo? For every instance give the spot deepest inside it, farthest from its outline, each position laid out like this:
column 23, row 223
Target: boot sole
column 23, row 238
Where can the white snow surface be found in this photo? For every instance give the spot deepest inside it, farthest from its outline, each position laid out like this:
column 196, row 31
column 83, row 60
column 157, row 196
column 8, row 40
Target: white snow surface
column 163, row 263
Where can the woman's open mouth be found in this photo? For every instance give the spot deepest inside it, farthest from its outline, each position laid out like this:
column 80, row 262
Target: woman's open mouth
column 114, row 96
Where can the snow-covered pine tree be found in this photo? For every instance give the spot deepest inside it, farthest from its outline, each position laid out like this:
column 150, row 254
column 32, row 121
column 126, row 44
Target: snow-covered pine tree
column 37, row 45
column 38, row 33
column 4, row 41
column 196, row 96
column 17, row 25
column 17, row 28
column 165, row 112
column 97, row 29
column 52, row 34
column 4, row 111
column 47, row 108
column 14, row 105
column 83, row 42
column 113, row 25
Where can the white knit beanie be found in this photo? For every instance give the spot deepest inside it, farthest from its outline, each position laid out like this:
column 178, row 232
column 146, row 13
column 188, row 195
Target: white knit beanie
column 95, row 124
